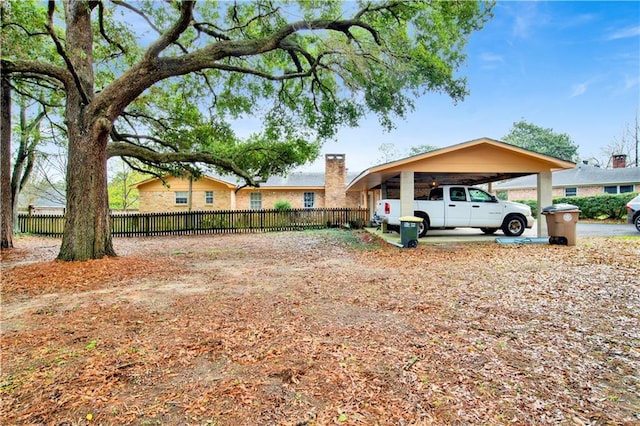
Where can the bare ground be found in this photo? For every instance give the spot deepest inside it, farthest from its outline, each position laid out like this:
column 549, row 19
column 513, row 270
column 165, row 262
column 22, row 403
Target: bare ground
column 318, row 328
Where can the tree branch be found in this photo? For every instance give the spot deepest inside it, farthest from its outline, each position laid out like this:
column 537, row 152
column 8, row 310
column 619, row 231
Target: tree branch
column 203, row 27
column 62, row 53
column 103, row 32
column 27, row 68
column 122, row 149
column 126, row 137
column 141, row 170
column 172, row 35
column 138, row 12
column 30, row 34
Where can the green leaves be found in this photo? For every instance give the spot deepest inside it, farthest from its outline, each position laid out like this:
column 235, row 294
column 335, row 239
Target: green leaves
column 302, row 69
column 544, row 141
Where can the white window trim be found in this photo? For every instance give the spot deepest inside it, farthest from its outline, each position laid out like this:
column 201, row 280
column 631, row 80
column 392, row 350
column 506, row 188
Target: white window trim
column 185, row 197
column 255, row 197
column 313, row 200
column 206, row 197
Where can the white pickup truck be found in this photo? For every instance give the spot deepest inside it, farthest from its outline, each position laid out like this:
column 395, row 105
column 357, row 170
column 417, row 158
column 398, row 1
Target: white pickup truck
column 451, row 206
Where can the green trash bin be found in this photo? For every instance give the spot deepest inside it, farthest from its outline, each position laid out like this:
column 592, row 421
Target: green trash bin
column 409, row 226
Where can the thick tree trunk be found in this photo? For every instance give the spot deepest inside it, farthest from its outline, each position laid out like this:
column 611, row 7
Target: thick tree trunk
column 87, row 233
column 6, row 205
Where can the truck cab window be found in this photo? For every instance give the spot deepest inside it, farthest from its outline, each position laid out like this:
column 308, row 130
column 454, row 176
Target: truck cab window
column 436, row 194
column 480, row 196
column 457, row 194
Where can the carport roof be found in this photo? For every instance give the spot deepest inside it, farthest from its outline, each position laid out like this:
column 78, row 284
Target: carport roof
column 469, row 163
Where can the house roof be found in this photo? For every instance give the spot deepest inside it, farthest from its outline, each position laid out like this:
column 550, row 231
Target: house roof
column 300, row 179
column 293, row 180
column 582, row 175
column 470, row 163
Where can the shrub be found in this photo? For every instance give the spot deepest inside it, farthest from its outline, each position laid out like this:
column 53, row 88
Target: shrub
column 531, row 203
column 282, row 206
column 606, row 206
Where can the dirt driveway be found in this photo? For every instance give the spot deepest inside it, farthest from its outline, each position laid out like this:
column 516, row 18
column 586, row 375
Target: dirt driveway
column 319, row 328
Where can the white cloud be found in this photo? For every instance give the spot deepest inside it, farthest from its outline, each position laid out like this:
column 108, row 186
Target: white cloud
column 523, row 22
column 529, row 17
column 576, row 21
column 624, row 33
column 631, row 83
column 579, row 89
column 491, row 57
column 490, row 60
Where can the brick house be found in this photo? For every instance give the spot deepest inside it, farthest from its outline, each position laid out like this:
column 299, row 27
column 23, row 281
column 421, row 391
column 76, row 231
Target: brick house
column 301, row 190
column 583, row 180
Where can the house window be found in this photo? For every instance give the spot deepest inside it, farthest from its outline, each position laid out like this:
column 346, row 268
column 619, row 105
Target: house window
column 182, row 197
column 570, row 192
column 256, row 201
column 613, row 189
column 309, row 200
column 208, row 197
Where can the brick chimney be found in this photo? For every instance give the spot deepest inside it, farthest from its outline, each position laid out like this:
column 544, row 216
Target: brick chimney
column 335, row 176
column 619, row 161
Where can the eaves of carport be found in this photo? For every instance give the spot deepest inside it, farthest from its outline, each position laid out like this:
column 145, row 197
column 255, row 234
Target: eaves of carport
column 470, row 163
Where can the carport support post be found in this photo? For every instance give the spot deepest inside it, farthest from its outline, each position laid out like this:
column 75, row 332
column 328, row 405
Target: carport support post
column 545, row 198
column 406, row 193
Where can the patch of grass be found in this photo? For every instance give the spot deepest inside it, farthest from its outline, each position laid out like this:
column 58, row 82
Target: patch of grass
column 354, row 239
column 627, row 237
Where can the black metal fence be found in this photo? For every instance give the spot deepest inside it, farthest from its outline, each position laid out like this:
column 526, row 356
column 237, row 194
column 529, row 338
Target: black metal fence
column 206, row 222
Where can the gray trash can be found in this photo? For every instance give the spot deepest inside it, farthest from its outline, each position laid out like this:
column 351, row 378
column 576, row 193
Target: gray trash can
column 409, row 226
column 561, row 223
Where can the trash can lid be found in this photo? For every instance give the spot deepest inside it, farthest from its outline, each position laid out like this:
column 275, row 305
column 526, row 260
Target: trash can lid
column 563, row 207
column 410, row 219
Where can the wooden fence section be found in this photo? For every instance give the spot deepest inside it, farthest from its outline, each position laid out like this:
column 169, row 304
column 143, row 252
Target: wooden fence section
column 206, row 222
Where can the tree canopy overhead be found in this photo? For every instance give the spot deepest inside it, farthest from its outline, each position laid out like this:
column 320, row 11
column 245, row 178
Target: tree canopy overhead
column 161, row 84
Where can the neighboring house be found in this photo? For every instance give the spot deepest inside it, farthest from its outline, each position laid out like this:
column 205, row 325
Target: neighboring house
column 301, row 190
column 583, row 180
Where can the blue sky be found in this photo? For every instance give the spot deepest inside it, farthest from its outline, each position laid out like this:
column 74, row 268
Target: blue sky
column 570, row 66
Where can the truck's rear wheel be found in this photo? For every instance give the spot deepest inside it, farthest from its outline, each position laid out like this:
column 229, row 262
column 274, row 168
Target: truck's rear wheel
column 513, row 225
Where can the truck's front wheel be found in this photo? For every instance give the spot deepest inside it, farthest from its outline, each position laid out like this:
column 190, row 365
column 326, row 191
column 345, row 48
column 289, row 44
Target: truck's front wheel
column 423, row 227
column 513, row 225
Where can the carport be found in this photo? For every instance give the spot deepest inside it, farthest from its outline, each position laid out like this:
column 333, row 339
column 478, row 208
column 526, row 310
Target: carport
column 470, row 163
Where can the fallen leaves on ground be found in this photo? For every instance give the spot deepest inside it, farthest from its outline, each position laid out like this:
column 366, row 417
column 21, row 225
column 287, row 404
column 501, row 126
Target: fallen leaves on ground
column 323, row 327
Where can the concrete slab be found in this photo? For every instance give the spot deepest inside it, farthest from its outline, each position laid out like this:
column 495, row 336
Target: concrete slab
column 471, row 235
column 459, row 235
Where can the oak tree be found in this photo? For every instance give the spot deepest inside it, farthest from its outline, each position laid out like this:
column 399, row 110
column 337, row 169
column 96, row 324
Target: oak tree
column 542, row 140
